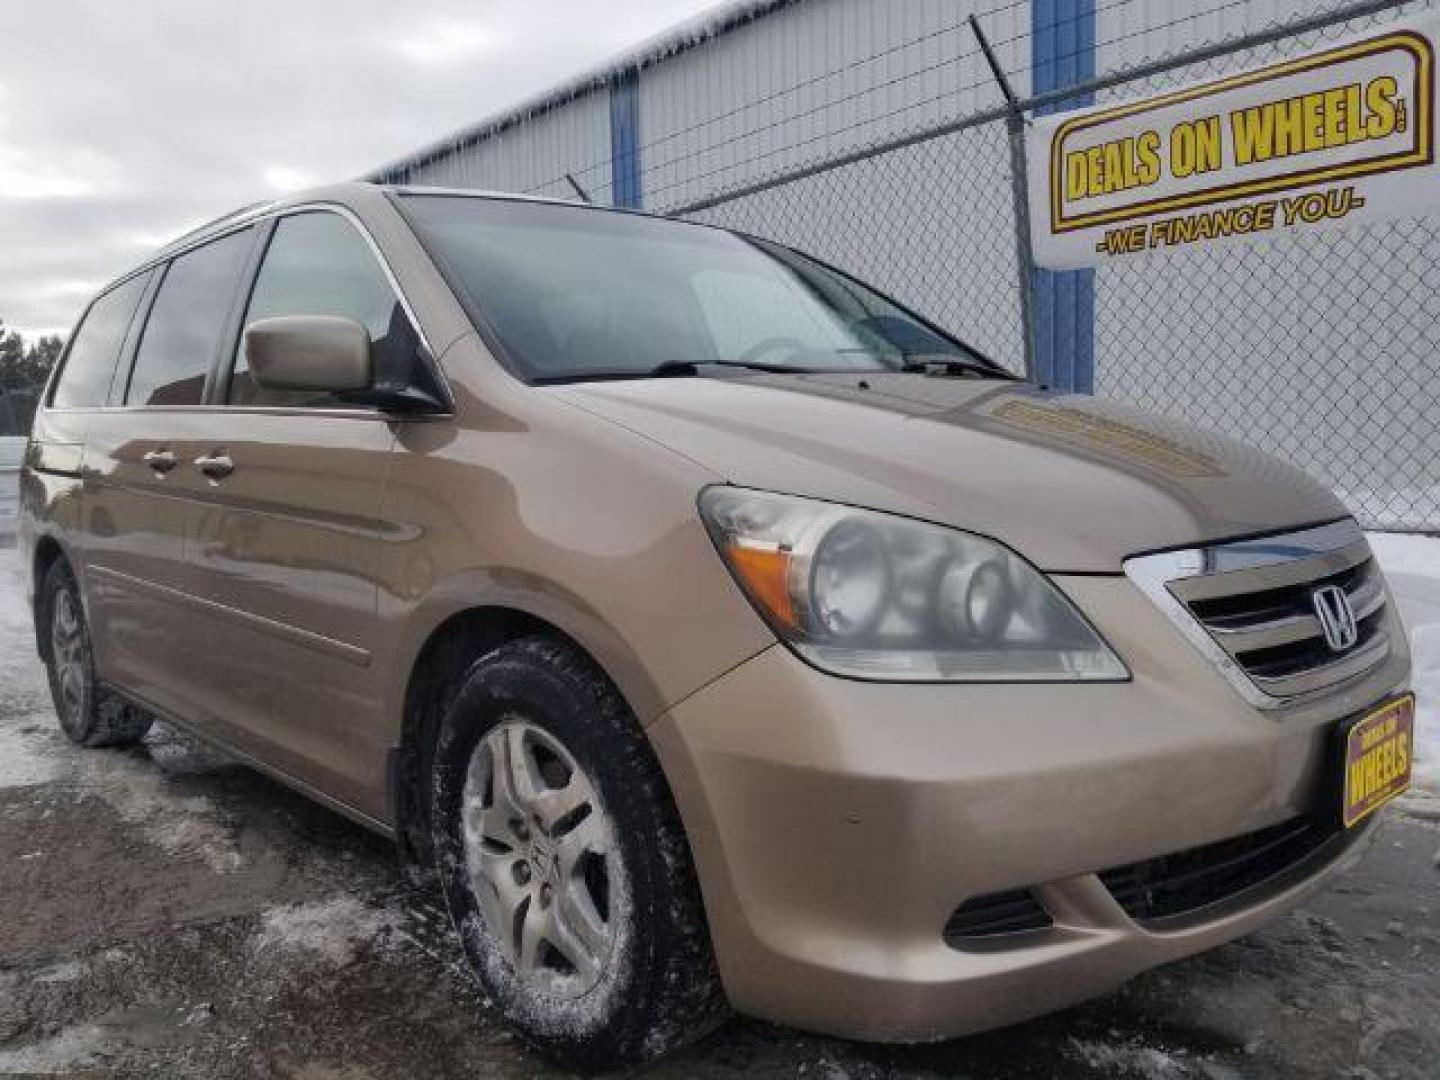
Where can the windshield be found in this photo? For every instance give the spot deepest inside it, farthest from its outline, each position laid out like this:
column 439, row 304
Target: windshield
column 571, row 293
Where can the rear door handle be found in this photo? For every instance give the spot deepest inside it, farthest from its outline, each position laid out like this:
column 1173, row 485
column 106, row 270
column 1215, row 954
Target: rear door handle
column 161, row 461
column 216, row 466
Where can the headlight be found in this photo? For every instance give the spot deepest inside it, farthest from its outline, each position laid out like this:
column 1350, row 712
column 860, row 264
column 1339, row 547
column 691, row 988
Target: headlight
column 875, row 596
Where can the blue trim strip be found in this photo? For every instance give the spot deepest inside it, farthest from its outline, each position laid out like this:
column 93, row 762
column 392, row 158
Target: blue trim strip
column 1062, row 53
column 625, row 140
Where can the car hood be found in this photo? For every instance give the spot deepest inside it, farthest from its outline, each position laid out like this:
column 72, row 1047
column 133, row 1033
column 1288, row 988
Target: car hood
column 1073, row 483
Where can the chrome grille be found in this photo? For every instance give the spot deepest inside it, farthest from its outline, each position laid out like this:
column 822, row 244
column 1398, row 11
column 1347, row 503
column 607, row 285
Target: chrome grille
column 1250, row 605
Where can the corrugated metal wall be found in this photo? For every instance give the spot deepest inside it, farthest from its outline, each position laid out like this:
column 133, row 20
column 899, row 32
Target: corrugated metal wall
column 809, row 82
column 533, row 155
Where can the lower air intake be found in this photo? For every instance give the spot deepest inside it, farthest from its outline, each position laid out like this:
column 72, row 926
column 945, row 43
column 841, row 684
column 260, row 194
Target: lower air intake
column 1241, row 869
column 984, row 918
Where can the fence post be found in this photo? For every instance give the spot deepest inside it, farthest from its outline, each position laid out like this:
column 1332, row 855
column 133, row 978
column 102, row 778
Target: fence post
column 625, row 168
column 1062, row 54
column 1020, row 192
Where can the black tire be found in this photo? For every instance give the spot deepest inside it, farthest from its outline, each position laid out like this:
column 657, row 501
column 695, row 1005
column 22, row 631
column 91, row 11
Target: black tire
column 89, row 715
column 658, row 988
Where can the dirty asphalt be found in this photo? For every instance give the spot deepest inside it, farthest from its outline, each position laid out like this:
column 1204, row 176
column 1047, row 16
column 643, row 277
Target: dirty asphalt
column 167, row 912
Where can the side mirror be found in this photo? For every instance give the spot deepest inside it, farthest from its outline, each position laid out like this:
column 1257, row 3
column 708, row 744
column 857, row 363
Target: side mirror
column 309, row 352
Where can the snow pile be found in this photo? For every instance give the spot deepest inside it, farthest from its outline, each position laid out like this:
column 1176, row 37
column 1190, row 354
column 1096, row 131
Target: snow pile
column 144, row 796
column 29, row 754
column 1126, row 1059
column 1412, row 566
column 62, row 1054
column 65, row 972
column 333, row 929
column 21, row 674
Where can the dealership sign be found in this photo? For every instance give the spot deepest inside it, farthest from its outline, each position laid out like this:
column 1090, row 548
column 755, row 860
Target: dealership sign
column 1339, row 135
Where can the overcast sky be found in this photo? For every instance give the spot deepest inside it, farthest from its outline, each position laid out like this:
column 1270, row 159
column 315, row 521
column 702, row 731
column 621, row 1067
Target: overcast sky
column 122, row 124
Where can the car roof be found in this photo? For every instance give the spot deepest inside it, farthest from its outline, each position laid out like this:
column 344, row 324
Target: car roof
column 354, row 195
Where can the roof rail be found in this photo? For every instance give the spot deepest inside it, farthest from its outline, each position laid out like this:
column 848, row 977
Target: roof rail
column 223, row 219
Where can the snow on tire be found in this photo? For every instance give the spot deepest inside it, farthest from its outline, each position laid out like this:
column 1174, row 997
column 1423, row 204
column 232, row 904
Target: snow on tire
column 90, row 715
column 564, row 863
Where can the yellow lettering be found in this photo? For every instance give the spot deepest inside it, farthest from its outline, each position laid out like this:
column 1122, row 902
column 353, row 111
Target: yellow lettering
column 1332, row 124
column 1095, row 169
column 1147, row 150
column 1122, row 241
column 1207, row 144
column 1380, row 100
column 1356, row 780
column 1253, row 132
column 1076, row 185
column 1289, row 128
column 1114, row 167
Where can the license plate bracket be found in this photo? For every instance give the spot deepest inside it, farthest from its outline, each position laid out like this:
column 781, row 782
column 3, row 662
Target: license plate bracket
column 1375, row 753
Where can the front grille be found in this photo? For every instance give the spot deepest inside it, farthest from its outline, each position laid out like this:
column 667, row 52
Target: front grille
column 1251, row 605
column 1015, row 911
column 1235, row 871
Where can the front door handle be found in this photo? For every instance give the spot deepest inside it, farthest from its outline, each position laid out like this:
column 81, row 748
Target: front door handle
column 216, row 466
column 161, row 461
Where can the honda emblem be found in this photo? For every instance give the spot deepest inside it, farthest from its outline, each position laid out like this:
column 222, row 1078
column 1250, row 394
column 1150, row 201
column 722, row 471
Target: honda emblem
column 1337, row 617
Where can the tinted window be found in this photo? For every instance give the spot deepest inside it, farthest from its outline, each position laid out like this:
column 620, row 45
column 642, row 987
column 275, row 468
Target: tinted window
column 573, row 292
column 90, row 363
column 186, row 323
column 319, row 264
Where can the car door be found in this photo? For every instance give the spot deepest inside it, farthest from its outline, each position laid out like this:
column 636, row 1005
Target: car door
column 136, row 516
column 286, row 540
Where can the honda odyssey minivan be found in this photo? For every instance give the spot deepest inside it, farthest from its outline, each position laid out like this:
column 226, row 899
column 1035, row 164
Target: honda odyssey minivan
column 716, row 631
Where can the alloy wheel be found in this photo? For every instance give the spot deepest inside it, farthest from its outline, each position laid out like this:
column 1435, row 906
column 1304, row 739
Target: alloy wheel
column 70, row 654
column 541, row 854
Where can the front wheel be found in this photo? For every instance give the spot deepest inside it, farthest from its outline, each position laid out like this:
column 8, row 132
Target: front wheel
column 88, row 715
column 564, row 864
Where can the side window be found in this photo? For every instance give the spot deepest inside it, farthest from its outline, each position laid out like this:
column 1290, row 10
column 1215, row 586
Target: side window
column 319, row 264
column 186, row 323
column 90, row 363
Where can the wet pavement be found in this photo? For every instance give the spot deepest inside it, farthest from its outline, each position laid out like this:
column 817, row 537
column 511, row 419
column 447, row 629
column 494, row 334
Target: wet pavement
column 167, row 912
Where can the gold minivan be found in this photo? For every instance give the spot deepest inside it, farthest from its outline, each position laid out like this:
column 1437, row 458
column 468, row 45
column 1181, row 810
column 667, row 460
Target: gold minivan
column 717, row 632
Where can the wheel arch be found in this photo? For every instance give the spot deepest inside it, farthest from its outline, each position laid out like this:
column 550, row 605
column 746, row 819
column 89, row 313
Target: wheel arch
column 48, row 551
column 439, row 662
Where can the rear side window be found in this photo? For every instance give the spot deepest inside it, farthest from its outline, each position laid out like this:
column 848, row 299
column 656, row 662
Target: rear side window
column 90, row 363
column 319, row 264
column 186, row 323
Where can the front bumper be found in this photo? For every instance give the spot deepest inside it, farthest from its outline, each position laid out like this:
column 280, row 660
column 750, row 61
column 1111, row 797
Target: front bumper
column 836, row 825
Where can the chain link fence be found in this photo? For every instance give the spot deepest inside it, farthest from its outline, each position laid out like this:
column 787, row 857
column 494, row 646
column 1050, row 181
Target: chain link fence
column 860, row 217
column 896, row 159
column 1318, row 346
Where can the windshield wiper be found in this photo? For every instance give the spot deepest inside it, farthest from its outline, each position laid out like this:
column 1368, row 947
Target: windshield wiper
column 669, row 369
column 677, row 367
column 950, row 365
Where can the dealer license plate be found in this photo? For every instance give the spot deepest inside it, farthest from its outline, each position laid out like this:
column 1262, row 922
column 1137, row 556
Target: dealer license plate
column 1378, row 750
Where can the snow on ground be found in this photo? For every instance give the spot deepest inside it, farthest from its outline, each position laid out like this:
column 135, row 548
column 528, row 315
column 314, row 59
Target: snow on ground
column 33, row 752
column 19, row 670
column 26, row 758
column 62, row 1054
column 1412, row 566
column 1127, row 1059
column 143, row 796
column 333, row 928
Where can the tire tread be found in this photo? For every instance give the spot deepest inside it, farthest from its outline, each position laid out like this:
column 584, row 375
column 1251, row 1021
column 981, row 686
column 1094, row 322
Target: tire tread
column 678, row 997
